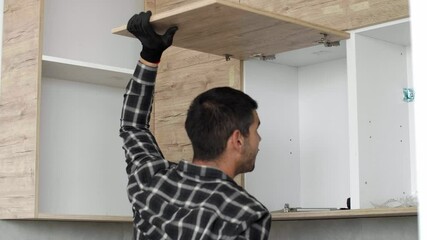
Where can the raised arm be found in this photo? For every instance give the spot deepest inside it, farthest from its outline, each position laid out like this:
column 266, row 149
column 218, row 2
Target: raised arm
column 143, row 155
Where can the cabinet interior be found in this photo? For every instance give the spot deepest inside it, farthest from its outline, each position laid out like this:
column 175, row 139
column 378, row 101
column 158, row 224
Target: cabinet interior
column 315, row 106
column 81, row 165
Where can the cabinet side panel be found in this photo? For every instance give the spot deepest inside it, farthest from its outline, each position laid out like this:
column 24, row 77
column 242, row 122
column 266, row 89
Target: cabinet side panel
column 183, row 75
column 383, row 120
column 18, row 108
column 342, row 15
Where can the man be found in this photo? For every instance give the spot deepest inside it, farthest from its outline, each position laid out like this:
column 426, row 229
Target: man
column 197, row 200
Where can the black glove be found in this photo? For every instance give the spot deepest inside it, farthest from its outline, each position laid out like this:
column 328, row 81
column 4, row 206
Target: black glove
column 153, row 43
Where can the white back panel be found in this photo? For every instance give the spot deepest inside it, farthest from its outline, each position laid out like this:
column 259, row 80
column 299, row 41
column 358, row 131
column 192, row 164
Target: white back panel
column 81, row 30
column 82, row 165
column 324, row 152
column 275, row 180
column 384, row 153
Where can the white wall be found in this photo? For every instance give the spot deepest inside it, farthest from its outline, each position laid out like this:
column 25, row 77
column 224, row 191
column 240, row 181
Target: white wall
column 82, row 168
column 81, row 30
column 303, row 158
column 276, row 178
column 323, row 132
column 383, row 121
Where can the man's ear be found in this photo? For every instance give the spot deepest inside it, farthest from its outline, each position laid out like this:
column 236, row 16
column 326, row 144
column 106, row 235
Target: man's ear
column 237, row 139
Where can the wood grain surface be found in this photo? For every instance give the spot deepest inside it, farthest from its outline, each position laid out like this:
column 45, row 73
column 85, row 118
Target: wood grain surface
column 226, row 28
column 183, row 74
column 338, row 14
column 19, row 108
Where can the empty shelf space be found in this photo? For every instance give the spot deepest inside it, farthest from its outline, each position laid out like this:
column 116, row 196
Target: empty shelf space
column 72, row 70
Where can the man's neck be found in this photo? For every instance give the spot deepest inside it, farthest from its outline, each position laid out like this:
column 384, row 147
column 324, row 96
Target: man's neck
column 218, row 164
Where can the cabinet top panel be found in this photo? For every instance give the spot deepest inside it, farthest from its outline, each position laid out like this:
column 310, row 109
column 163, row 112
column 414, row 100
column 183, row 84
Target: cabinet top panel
column 224, row 28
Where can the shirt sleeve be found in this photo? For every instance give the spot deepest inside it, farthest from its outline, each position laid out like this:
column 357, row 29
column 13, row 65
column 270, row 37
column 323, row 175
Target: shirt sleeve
column 143, row 155
column 259, row 229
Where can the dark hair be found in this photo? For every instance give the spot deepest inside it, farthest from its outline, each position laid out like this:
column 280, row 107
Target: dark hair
column 213, row 116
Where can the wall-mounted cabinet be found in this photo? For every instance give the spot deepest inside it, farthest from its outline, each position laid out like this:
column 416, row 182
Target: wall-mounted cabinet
column 60, row 154
column 80, row 154
column 73, row 167
column 334, row 123
column 380, row 68
column 304, row 130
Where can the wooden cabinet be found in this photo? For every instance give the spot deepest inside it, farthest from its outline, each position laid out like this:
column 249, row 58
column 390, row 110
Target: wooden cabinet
column 63, row 80
column 208, row 31
column 380, row 68
column 335, row 124
column 303, row 110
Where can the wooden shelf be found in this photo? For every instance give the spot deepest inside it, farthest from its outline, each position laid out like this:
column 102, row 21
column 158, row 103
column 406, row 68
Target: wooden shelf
column 72, row 70
column 276, row 215
column 342, row 214
column 225, row 28
column 93, row 218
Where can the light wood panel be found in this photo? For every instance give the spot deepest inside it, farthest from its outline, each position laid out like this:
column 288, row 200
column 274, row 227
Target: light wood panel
column 165, row 5
column 183, row 74
column 276, row 215
column 170, row 106
column 337, row 14
column 18, row 108
column 176, row 89
column 341, row 214
column 91, row 218
column 225, row 28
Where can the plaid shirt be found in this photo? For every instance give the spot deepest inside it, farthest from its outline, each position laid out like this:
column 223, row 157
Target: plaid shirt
column 179, row 201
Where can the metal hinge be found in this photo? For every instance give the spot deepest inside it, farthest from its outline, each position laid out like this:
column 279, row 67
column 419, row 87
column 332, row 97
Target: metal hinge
column 326, row 42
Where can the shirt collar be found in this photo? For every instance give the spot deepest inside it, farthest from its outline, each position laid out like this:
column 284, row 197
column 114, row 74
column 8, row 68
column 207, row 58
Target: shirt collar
column 202, row 171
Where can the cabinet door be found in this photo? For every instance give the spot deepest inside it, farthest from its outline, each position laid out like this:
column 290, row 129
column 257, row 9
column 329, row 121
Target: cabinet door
column 337, row 14
column 227, row 29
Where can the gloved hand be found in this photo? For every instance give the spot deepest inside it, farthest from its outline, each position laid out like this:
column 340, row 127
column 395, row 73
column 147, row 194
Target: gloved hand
column 153, row 43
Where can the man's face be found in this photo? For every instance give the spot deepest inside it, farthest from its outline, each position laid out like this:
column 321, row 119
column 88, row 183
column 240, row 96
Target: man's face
column 251, row 145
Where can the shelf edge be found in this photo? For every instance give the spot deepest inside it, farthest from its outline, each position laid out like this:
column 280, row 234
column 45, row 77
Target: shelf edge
column 345, row 214
column 77, row 63
column 78, row 71
column 86, row 218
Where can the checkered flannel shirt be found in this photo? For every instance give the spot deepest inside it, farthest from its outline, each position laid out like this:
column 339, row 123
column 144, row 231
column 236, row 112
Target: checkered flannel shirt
column 179, row 201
